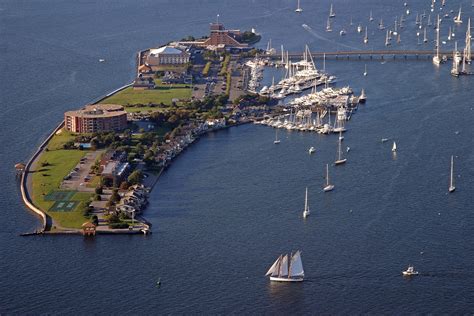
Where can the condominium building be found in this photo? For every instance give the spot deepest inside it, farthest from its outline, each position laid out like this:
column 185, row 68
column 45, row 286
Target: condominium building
column 96, row 118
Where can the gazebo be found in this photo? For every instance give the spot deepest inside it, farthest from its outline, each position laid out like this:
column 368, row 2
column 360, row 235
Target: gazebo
column 88, row 229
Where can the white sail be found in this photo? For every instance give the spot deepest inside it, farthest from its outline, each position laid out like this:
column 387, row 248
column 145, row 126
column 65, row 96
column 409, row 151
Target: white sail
column 451, row 178
column 274, row 268
column 296, row 266
column 284, row 267
column 394, row 147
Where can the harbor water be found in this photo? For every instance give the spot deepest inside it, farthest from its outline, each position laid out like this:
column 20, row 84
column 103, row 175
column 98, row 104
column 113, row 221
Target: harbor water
column 233, row 201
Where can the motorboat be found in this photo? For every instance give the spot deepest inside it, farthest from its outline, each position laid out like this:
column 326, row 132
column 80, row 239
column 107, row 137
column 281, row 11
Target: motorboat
column 410, row 271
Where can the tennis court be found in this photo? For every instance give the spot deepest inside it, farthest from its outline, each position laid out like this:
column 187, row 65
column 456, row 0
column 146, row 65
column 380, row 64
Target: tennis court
column 59, row 195
column 63, row 206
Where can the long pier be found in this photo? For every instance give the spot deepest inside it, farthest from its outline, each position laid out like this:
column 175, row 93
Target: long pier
column 370, row 55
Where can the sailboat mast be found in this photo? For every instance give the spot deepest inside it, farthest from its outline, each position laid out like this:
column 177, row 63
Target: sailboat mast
column 437, row 38
column 327, row 174
column 451, row 177
column 339, row 150
column 306, row 201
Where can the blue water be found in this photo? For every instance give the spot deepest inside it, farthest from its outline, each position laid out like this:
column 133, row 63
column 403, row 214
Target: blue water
column 232, row 202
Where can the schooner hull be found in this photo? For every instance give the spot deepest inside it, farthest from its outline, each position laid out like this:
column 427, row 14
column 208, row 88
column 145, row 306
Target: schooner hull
column 278, row 279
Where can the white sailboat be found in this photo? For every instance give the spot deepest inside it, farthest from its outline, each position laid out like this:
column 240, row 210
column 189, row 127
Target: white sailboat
column 451, row 177
column 371, row 18
column 277, row 140
column 394, row 147
column 311, row 150
column 339, row 160
column 298, row 8
column 458, row 19
column 366, row 37
column 365, row 71
column 425, row 39
column 328, row 187
column 387, row 39
column 328, row 26
column 306, row 211
column 437, row 58
column 282, row 271
column 331, row 12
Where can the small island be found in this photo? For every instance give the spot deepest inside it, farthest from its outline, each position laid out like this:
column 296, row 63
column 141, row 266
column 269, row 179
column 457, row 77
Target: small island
column 93, row 174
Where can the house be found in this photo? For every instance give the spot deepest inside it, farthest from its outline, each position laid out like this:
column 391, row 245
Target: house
column 143, row 83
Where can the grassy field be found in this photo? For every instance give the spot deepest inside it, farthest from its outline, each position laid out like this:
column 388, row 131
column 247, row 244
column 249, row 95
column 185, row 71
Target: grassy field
column 162, row 94
column 52, row 166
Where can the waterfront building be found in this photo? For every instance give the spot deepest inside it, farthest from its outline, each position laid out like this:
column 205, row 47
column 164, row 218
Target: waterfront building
column 96, row 118
column 167, row 55
column 219, row 36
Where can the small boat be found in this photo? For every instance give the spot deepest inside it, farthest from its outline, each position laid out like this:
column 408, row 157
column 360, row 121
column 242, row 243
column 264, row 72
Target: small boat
column 282, row 271
column 298, row 8
column 394, row 147
column 339, row 160
column 342, row 32
column 359, row 28
column 311, row 150
column 331, row 12
column 458, row 19
column 451, row 178
column 328, row 26
column 348, row 149
column 362, row 97
column 306, row 211
column 101, row 60
column 381, row 26
column 365, row 71
column 328, row 187
column 410, row 271
column 384, row 140
column 158, row 283
column 366, row 37
column 371, row 18
column 276, row 141
column 387, row 39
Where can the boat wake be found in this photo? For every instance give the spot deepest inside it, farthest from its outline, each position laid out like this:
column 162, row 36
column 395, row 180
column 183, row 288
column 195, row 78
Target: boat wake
column 319, row 36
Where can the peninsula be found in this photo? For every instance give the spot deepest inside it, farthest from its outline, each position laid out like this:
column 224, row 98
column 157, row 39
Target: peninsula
column 93, row 174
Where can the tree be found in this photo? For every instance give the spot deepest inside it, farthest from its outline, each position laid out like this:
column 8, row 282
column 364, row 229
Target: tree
column 115, row 197
column 97, row 197
column 124, row 185
column 113, row 218
column 95, row 220
column 99, row 190
column 135, row 177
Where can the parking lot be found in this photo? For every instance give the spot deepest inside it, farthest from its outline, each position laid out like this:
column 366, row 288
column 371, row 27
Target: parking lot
column 79, row 176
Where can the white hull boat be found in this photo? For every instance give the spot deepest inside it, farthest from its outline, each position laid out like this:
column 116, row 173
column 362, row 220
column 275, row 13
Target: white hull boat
column 287, row 268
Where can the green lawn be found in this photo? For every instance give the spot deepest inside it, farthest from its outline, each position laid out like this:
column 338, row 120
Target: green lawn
column 162, row 94
column 61, row 137
column 48, row 178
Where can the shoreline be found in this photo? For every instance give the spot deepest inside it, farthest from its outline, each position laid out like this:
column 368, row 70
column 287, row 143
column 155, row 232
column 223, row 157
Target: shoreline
column 47, row 221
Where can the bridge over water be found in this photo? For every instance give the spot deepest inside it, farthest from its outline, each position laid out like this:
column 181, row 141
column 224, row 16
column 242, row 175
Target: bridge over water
column 370, row 54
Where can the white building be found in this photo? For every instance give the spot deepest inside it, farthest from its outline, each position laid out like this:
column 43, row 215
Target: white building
column 167, row 55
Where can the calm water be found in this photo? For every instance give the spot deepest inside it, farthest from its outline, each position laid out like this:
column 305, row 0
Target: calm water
column 232, row 203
